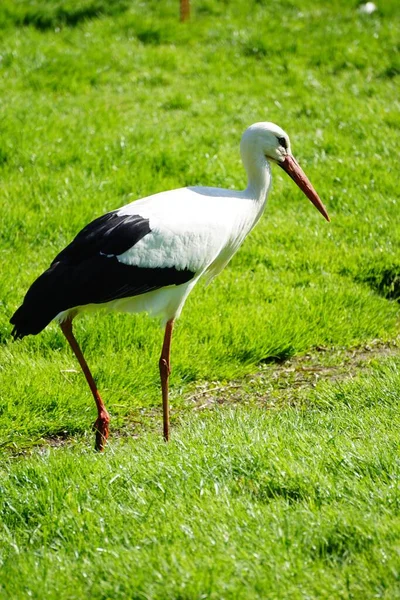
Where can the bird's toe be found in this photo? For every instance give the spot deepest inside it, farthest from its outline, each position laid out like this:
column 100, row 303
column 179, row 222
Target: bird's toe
column 101, row 427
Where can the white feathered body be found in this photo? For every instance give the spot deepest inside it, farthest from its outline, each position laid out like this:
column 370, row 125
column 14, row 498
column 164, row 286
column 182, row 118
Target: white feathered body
column 194, row 228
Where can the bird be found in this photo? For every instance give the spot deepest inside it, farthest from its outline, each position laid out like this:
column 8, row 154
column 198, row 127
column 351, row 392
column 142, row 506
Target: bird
column 149, row 254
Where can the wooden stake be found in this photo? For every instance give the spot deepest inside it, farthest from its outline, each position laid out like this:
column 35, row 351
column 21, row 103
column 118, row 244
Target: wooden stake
column 185, row 10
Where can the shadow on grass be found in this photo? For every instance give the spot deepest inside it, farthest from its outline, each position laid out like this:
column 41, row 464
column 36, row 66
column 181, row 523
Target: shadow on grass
column 279, row 357
column 383, row 280
column 291, row 491
column 341, row 541
column 45, row 16
column 275, row 356
column 391, row 71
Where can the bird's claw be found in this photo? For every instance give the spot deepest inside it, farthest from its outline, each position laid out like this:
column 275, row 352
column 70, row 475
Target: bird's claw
column 101, row 427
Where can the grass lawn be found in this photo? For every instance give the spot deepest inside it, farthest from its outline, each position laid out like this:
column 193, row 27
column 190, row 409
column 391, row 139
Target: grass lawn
column 298, row 502
column 294, row 496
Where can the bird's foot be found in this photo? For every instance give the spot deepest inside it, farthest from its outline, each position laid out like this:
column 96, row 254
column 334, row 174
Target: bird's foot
column 101, row 427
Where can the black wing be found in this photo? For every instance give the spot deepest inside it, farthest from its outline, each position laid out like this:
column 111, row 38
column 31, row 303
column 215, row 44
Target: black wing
column 87, row 271
column 110, row 234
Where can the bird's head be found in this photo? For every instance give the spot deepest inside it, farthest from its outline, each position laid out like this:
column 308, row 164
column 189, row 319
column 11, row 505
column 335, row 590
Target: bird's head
column 274, row 144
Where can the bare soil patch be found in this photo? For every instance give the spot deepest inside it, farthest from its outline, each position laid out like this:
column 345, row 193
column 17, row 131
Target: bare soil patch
column 281, row 384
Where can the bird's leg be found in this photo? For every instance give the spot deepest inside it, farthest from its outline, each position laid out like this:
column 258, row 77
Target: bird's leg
column 165, row 370
column 103, row 419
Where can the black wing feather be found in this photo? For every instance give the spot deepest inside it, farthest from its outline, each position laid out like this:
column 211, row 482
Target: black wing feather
column 109, row 234
column 87, row 271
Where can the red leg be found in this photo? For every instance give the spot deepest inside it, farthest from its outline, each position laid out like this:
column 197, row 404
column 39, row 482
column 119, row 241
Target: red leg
column 165, row 370
column 103, row 419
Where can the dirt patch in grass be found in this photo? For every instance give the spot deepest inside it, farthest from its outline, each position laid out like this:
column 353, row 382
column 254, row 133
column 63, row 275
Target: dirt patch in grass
column 281, row 383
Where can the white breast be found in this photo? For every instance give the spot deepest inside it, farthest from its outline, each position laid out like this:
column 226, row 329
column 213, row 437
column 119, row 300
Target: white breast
column 191, row 228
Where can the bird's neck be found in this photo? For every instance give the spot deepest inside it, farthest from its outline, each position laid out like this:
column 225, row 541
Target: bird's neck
column 258, row 172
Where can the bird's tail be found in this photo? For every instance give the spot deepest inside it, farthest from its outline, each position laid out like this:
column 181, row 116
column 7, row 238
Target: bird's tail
column 39, row 307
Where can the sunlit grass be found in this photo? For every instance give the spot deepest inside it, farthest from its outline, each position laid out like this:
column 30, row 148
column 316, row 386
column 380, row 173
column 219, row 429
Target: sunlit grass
column 89, row 126
column 104, row 102
column 242, row 503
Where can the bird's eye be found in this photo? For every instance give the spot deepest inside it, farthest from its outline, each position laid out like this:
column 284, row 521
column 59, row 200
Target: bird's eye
column 282, row 142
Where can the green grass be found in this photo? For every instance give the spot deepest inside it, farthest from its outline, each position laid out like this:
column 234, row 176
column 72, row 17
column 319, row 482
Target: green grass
column 104, row 102
column 121, row 106
column 290, row 503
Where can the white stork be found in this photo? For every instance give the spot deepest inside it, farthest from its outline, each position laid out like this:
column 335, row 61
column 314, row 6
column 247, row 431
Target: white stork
column 148, row 255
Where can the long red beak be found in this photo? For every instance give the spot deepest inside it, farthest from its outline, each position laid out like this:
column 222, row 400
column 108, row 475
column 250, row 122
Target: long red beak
column 293, row 169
